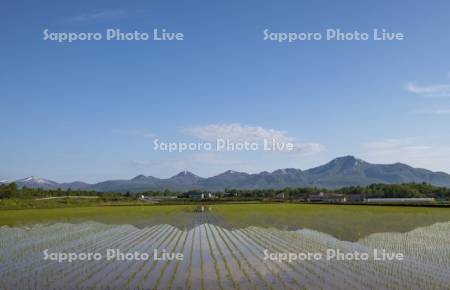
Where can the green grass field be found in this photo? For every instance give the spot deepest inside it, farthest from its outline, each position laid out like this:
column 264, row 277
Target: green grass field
column 31, row 203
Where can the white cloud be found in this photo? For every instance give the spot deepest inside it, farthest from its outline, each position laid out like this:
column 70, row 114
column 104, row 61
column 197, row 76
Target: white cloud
column 235, row 132
column 409, row 151
column 434, row 90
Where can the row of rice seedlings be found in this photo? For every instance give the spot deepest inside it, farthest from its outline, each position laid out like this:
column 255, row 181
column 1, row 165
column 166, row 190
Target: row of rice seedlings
column 130, row 269
column 337, row 269
column 322, row 267
column 14, row 234
column 118, row 272
column 121, row 272
column 229, row 281
column 68, row 245
column 202, row 270
column 269, row 271
column 36, row 257
column 257, row 271
column 361, row 277
column 384, row 265
column 169, row 268
column 420, row 274
column 210, row 275
column 428, row 244
column 313, row 272
column 153, row 271
column 168, row 283
column 88, row 243
column 102, row 273
column 194, row 280
column 43, row 238
column 236, row 266
column 329, row 269
column 217, row 267
column 284, row 270
column 83, row 270
column 223, row 270
column 221, row 258
column 11, row 236
column 308, row 274
column 75, row 271
column 37, row 254
column 153, row 276
column 419, row 245
column 143, row 267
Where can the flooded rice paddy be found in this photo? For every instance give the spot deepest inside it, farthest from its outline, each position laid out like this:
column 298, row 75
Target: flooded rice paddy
column 227, row 247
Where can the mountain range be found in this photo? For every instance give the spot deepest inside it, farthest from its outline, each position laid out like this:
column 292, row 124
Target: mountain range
column 340, row 172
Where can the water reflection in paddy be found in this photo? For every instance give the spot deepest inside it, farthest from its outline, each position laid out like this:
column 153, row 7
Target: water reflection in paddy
column 215, row 257
column 349, row 223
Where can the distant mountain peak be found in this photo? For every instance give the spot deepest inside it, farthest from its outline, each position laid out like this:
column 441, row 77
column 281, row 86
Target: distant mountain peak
column 339, row 165
column 185, row 173
column 34, row 179
column 230, row 172
column 281, row 171
column 140, row 177
column 339, row 172
column 348, row 160
column 286, row 171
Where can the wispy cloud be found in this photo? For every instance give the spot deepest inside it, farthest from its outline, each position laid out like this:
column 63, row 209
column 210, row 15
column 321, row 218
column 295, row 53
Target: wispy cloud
column 99, row 15
column 387, row 144
column 435, row 111
column 235, row 132
column 409, row 151
column 433, row 90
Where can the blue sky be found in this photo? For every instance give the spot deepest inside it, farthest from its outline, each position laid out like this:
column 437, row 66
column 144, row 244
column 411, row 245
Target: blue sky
column 90, row 110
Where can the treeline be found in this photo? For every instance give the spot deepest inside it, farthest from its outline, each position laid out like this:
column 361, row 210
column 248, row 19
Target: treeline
column 12, row 191
column 407, row 190
column 166, row 192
